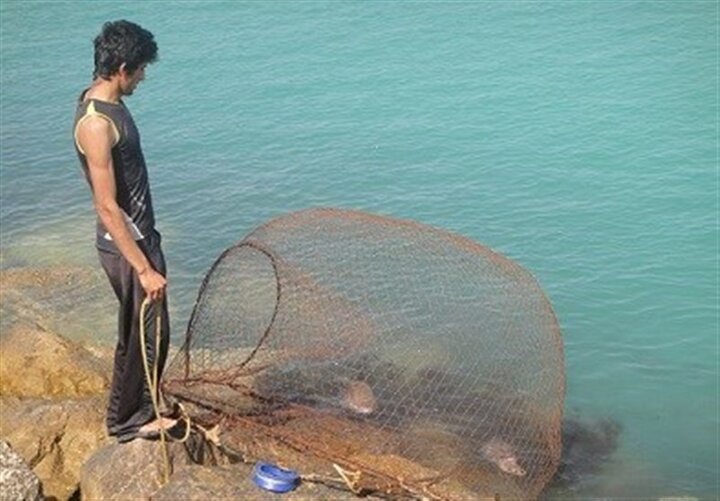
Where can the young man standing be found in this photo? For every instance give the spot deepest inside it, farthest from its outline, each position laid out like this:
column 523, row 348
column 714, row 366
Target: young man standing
column 108, row 146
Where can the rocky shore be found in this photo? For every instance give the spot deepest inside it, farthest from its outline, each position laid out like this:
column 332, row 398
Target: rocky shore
column 53, row 391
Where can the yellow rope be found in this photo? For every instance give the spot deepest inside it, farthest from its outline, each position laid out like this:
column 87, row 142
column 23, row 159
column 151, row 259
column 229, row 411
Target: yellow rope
column 153, row 382
column 188, row 423
column 154, row 390
column 351, row 478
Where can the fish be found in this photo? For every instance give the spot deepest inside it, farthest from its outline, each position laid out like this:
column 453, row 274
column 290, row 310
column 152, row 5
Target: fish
column 358, row 397
column 502, row 454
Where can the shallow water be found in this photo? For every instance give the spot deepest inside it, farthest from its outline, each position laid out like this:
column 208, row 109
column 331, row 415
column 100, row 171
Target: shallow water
column 577, row 138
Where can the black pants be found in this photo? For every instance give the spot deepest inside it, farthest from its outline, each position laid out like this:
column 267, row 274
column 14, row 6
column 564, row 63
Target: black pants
column 130, row 404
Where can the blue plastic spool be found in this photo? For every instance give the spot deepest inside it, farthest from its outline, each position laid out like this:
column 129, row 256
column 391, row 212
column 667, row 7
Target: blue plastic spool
column 273, row 478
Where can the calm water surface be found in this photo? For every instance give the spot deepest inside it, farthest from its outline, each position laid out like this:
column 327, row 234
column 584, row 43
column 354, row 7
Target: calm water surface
column 577, row 138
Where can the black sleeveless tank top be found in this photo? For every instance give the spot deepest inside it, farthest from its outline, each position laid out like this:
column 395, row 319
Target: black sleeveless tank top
column 131, row 178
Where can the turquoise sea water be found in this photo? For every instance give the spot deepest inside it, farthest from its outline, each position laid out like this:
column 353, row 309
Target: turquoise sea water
column 579, row 138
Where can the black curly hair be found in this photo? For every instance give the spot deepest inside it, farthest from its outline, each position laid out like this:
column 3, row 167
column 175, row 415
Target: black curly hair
column 123, row 42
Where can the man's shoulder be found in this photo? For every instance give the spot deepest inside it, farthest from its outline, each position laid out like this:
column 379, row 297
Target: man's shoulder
column 95, row 126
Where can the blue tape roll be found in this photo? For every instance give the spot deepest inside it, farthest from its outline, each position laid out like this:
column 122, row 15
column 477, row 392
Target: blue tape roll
column 273, row 478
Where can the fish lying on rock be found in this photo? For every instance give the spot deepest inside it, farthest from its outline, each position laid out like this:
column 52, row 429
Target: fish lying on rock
column 358, row 397
column 502, row 454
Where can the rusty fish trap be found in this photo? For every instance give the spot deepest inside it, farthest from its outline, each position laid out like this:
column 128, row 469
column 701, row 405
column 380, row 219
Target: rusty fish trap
column 402, row 358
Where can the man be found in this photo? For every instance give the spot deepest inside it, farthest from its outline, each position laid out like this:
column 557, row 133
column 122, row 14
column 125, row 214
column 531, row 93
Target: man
column 108, row 146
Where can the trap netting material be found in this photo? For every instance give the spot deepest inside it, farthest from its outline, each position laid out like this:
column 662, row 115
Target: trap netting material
column 416, row 361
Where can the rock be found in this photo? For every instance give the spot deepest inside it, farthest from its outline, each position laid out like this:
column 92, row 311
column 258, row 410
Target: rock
column 128, row 471
column 54, row 437
column 198, row 483
column 74, row 301
column 135, row 471
column 37, row 362
column 201, row 483
column 587, row 447
column 17, row 481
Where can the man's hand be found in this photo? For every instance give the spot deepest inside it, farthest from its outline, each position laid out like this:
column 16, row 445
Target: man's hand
column 153, row 283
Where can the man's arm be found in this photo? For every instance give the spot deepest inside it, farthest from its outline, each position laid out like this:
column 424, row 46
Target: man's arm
column 95, row 136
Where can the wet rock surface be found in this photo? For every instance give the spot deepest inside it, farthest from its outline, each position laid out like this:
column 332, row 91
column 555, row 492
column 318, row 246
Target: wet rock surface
column 74, row 301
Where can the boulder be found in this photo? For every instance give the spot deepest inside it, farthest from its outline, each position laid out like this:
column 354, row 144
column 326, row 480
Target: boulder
column 198, row 483
column 17, row 481
column 201, row 483
column 134, row 470
column 54, row 437
column 39, row 363
column 74, row 301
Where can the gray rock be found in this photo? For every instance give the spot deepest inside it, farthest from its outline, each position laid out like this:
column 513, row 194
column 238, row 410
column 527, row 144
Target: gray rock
column 17, row 481
column 199, row 483
column 134, row 470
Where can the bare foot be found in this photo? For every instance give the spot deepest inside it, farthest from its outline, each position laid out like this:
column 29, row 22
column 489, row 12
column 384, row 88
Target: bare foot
column 157, row 425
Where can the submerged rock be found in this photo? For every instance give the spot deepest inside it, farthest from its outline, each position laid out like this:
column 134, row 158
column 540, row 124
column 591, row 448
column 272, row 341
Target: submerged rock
column 17, row 481
column 588, row 448
column 74, row 301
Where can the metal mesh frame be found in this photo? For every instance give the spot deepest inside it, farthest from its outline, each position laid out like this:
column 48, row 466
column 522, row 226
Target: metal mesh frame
column 423, row 362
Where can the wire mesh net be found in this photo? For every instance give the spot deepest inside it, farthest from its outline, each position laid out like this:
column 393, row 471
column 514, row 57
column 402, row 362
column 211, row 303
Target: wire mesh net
column 410, row 360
